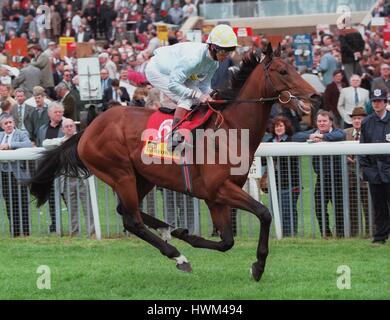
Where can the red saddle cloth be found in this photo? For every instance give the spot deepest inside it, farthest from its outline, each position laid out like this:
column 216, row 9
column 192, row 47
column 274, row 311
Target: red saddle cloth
column 162, row 122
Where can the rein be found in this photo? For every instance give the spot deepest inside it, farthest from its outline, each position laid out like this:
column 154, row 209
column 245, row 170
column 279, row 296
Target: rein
column 260, row 100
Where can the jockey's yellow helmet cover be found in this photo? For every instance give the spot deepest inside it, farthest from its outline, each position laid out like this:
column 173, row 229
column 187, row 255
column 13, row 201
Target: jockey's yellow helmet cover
column 223, row 36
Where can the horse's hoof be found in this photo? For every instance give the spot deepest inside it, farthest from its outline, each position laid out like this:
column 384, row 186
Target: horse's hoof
column 185, row 267
column 256, row 272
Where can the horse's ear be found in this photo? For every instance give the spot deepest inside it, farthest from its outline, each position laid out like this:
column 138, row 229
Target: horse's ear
column 278, row 51
column 269, row 51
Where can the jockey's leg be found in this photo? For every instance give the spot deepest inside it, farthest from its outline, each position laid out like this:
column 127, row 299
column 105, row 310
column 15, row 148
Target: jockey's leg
column 177, row 137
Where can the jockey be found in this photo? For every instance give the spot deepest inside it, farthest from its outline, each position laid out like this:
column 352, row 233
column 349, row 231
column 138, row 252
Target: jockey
column 184, row 70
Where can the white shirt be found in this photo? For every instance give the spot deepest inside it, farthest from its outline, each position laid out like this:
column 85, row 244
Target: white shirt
column 76, row 22
column 63, row 98
column 116, row 96
column 52, row 143
column 129, row 88
column 80, row 37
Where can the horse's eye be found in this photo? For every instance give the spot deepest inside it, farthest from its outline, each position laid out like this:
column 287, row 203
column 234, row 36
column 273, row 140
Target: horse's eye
column 283, row 72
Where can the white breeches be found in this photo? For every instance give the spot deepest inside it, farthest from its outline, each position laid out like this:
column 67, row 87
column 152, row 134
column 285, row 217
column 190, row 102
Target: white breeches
column 161, row 81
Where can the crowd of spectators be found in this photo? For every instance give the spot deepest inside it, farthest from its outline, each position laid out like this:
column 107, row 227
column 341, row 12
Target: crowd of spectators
column 128, row 37
column 348, row 65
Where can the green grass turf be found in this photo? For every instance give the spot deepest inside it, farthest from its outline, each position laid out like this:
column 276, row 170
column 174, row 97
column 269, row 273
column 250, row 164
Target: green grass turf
column 130, row 269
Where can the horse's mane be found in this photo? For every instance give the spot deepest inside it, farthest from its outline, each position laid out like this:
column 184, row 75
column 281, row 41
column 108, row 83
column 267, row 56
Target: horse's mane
column 247, row 65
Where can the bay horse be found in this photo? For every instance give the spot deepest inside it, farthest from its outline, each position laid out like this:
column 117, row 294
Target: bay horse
column 110, row 148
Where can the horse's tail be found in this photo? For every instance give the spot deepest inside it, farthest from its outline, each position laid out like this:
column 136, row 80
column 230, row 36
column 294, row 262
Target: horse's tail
column 63, row 160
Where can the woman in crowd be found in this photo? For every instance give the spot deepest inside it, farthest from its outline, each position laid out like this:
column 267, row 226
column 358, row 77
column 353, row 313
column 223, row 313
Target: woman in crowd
column 287, row 176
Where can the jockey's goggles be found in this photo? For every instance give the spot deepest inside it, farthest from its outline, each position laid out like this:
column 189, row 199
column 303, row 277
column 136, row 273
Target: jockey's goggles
column 223, row 50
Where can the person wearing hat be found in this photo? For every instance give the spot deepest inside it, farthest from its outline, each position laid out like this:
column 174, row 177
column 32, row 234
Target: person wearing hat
column 376, row 168
column 184, row 70
column 42, row 62
column 51, row 47
column 353, row 134
column 108, row 64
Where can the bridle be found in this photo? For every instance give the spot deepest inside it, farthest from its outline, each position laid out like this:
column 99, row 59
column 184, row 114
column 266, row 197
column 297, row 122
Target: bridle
column 263, row 100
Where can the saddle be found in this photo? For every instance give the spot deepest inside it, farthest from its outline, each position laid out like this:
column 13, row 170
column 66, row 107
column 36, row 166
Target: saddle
column 166, row 110
column 197, row 117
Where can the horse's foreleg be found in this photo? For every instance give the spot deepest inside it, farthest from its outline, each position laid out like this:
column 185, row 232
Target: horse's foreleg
column 221, row 217
column 232, row 195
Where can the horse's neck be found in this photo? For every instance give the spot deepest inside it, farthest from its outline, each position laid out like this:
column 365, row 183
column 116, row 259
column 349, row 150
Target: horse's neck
column 252, row 116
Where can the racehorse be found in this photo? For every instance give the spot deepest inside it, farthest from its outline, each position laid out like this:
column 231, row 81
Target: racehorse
column 110, row 148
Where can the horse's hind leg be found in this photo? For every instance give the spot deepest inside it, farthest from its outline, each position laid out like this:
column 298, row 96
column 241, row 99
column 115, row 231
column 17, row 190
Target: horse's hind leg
column 132, row 221
column 220, row 214
column 144, row 186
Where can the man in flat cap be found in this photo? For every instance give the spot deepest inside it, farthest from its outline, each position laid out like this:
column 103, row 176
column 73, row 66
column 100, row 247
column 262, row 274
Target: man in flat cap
column 357, row 187
column 108, row 64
